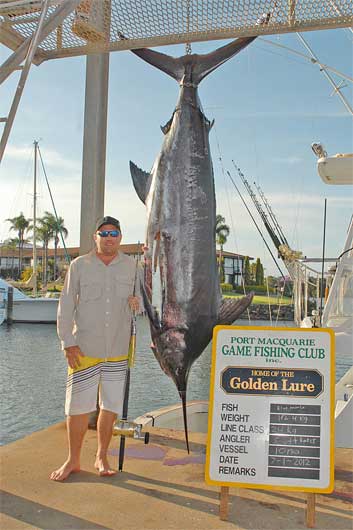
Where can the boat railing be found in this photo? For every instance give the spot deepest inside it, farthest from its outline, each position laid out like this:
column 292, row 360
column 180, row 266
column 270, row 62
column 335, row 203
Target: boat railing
column 324, row 298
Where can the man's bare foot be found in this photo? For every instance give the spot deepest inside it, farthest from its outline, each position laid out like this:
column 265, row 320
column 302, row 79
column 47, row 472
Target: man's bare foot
column 64, row 471
column 103, row 467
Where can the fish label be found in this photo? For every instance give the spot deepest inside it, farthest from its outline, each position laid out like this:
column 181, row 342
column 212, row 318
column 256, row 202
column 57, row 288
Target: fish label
column 271, row 415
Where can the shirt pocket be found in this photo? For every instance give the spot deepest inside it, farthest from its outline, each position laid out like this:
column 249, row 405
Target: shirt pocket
column 90, row 292
column 124, row 287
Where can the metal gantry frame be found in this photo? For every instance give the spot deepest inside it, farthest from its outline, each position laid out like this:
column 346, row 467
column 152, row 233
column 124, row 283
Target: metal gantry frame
column 26, row 52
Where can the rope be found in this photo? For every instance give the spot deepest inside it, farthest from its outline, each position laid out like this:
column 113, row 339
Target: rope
column 280, row 302
column 67, row 256
column 231, row 219
column 269, row 301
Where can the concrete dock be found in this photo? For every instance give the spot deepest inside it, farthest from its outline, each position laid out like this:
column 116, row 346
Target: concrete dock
column 161, row 488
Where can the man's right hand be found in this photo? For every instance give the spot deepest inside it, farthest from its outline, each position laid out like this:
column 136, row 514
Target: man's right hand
column 73, row 354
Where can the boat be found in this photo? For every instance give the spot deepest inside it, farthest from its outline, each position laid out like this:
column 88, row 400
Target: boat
column 171, row 417
column 334, row 169
column 40, row 310
column 23, row 308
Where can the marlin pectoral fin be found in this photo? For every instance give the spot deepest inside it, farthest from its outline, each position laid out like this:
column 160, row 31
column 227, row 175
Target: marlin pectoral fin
column 208, row 124
column 141, row 180
column 232, row 308
column 151, row 311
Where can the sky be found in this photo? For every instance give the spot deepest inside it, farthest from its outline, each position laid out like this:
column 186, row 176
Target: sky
column 269, row 105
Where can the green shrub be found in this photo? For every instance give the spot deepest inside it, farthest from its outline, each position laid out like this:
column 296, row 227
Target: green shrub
column 226, row 287
column 258, row 289
column 55, row 289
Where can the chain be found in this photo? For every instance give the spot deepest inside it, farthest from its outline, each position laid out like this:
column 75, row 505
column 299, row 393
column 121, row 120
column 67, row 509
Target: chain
column 188, row 45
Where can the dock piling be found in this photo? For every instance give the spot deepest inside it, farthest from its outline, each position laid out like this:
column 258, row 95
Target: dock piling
column 9, row 306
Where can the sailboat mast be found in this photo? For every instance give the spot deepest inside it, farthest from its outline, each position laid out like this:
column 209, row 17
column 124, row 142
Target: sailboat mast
column 35, row 219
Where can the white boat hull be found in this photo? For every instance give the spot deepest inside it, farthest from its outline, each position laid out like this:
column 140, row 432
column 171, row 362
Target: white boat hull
column 336, row 169
column 35, row 310
column 172, row 417
column 344, row 411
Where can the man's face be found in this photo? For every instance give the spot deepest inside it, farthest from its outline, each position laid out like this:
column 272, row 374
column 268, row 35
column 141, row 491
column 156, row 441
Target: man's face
column 109, row 245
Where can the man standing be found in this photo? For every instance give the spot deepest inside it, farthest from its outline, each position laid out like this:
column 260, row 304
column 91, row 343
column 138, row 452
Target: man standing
column 94, row 322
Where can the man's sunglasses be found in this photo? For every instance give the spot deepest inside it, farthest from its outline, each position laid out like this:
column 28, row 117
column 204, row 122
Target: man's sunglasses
column 112, row 233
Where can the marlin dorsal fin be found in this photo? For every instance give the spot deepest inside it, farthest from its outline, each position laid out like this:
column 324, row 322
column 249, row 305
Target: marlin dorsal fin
column 231, row 308
column 141, row 180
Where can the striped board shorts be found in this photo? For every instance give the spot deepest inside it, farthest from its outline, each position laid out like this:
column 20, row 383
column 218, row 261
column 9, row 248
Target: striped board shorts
column 106, row 375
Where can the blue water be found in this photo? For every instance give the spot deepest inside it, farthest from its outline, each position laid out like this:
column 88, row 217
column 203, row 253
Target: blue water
column 33, row 377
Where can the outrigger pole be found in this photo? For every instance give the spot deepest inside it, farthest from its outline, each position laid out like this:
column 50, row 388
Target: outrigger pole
column 255, row 223
column 272, row 215
column 270, row 229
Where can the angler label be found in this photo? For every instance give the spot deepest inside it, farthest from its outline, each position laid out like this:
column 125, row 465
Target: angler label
column 271, row 416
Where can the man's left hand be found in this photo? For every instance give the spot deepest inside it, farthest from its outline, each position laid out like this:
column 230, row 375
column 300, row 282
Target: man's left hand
column 134, row 303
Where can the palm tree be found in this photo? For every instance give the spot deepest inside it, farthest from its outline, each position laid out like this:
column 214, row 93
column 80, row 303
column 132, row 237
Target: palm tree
column 11, row 244
column 21, row 225
column 44, row 234
column 58, row 227
column 222, row 233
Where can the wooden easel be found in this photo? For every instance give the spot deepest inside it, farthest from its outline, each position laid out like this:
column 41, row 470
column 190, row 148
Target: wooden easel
column 224, row 507
column 224, row 503
column 310, row 510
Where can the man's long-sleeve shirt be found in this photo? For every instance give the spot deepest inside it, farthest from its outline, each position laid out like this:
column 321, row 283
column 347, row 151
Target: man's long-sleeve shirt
column 93, row 311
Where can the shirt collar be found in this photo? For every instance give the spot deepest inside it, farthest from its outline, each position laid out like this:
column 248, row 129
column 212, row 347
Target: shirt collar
column 117, row 258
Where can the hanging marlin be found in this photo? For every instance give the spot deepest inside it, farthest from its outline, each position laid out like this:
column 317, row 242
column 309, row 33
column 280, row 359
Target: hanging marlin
column 180, row 249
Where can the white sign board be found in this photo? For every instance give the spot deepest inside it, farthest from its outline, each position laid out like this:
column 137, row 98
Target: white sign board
column 271, row 417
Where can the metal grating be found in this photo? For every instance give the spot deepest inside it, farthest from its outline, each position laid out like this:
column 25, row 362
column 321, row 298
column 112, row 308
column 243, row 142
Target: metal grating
column 97, row 25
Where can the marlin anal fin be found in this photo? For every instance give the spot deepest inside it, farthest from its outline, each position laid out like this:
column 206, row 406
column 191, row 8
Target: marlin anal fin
column 141, row 180
column 232, row 308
